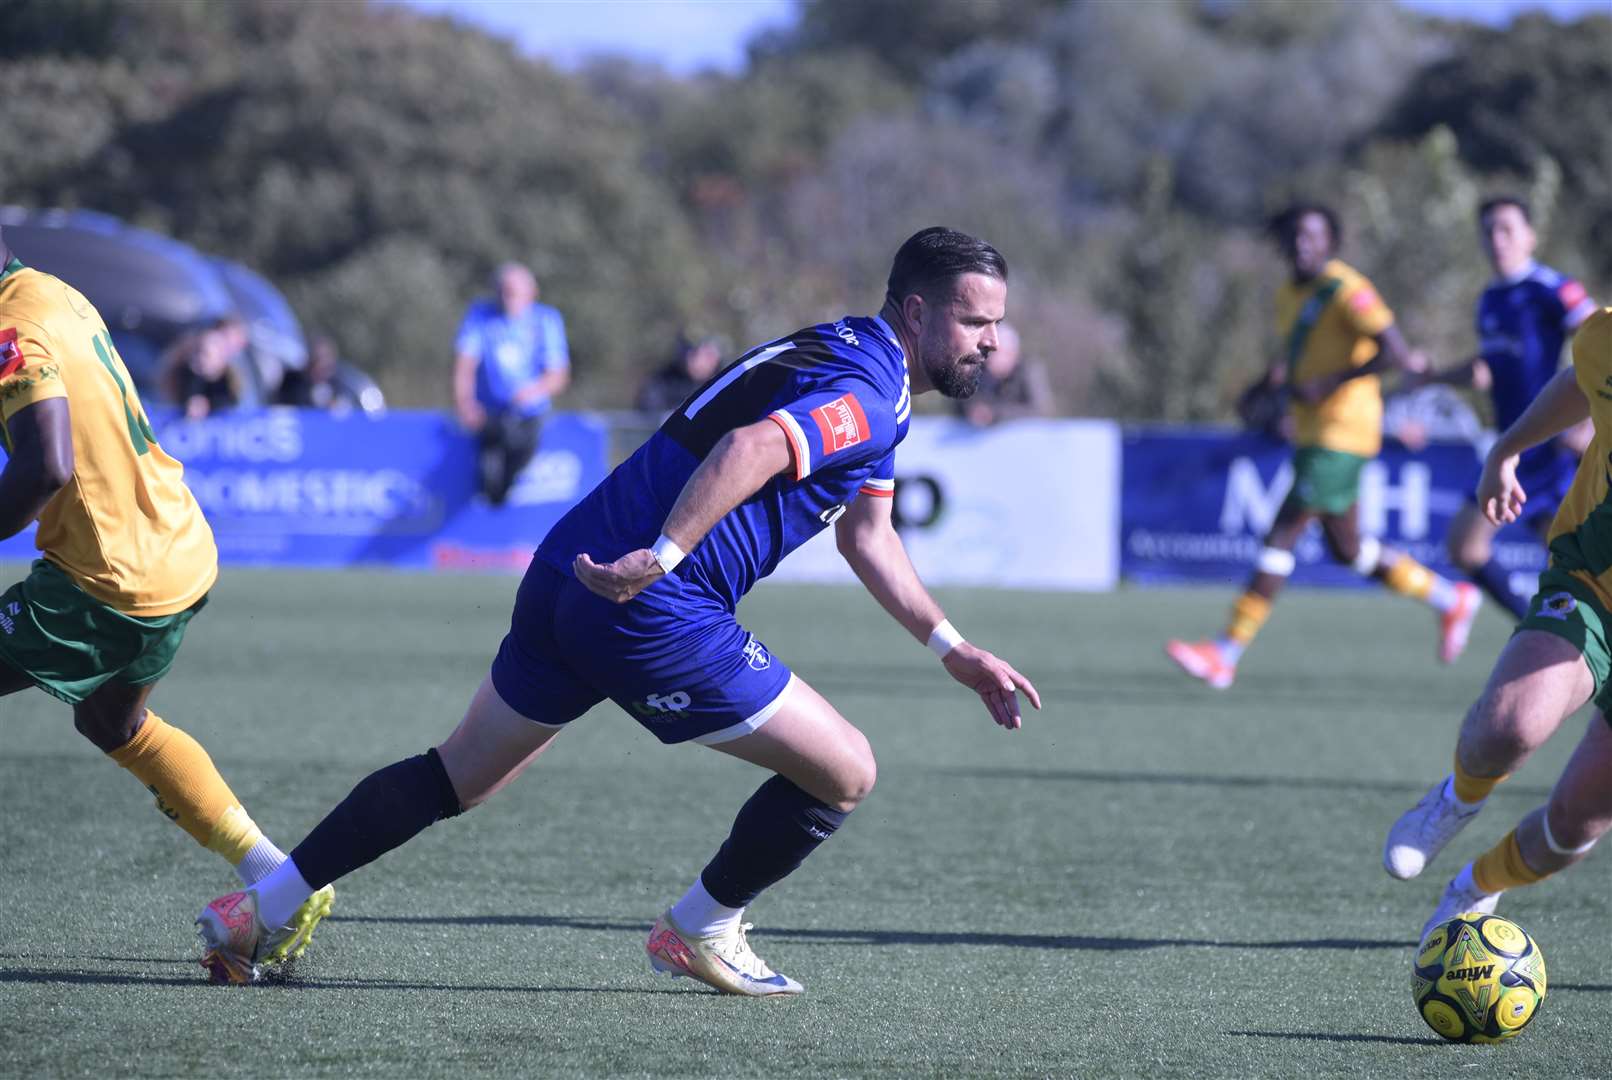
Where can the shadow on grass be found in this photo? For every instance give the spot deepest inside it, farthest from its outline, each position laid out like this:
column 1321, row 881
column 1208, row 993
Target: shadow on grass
column 1071, row 942
column 1310, row 1036
column 1322, row 783
column 40, row 976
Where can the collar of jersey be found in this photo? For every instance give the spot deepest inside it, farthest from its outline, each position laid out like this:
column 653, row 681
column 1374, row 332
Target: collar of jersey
column 891, row 334
column 1524, row 274
column 11, row 268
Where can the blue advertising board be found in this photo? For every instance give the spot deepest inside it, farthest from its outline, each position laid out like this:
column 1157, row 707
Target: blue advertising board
column 1195, row 505
column 304, row 488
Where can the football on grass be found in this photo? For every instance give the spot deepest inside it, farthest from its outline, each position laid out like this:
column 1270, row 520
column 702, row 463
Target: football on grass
column 1478, row 978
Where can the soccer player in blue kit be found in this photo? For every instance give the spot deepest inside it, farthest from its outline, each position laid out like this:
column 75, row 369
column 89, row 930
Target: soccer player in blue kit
column 632, row 595
column 1524, row 318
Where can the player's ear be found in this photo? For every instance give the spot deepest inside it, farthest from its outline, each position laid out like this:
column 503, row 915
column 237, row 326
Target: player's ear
column 913, row 308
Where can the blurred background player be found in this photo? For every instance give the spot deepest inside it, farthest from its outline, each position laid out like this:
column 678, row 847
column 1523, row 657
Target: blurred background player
column 697, row 360
column 1556, row 661
column 795, row 435
column 1011, row 387
column 510, row 361
column 127, row 562
column 1524, row 318
column 1339, row 337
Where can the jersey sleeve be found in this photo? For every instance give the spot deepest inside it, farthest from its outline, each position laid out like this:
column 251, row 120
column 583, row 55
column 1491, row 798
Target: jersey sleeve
column 1364, row 309
column 1592, row 353
column 468, row 340
column 28, row 371
column 881, row 482
column 847, row 424
column 1577, row 304
column 556, row 353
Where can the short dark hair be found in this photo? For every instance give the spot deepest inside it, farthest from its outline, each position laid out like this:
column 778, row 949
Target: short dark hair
column 1489, row 206
column 1285, row 222
column 937, row 256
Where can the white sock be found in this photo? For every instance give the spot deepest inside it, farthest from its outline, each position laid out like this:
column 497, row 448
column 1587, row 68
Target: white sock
column 1444, row 595
column 280, row 893
column 1465, row 882
column 700, row 914
column 1230, row 651
column 263, row 858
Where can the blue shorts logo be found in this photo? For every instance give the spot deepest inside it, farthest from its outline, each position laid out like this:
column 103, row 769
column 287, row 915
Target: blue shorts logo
column 755, row 654
column 1558, row 606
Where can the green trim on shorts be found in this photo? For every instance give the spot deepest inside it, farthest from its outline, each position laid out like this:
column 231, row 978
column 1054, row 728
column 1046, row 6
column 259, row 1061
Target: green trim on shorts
column 1325, row 481
column 1568, row 608
column 70, row 644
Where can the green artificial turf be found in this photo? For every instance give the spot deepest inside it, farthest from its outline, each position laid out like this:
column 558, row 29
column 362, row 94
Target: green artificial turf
column 1151, row 879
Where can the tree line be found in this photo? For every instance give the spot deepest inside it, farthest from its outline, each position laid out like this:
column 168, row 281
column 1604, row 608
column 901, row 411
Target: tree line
column 377, row 163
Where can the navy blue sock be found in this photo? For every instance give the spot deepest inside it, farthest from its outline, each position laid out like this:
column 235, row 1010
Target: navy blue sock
column 776, row 829
column 1495, row 580
column 386, row 809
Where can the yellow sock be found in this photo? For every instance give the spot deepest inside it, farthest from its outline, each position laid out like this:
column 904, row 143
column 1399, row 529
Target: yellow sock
column 189, row 791
column 1472, row 789
column 1501, row 867
column 1248, row 614
column 1409, row 578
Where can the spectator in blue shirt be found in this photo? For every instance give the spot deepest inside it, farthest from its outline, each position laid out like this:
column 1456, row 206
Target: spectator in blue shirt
column 510, row 360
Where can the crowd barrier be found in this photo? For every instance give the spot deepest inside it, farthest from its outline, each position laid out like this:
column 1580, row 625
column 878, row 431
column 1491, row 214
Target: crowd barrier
column 1039, row 504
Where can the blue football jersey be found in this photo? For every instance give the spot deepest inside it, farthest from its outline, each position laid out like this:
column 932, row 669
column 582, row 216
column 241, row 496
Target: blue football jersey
column 839, row 391
column 1522, row 325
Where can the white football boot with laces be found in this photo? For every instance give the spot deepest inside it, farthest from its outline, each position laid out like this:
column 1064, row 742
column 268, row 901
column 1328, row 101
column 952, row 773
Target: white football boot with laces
column 724, row 960
column 1461, row 895
column 1423, row 831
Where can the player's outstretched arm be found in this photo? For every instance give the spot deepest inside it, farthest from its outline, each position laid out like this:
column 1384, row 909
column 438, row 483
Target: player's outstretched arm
column 1558, row 407
column 870, row 544
column 40, row 463
column 736, row 468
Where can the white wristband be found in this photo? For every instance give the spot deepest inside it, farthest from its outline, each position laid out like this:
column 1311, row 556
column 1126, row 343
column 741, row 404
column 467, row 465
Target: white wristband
column 944, row 638
column 667, row 553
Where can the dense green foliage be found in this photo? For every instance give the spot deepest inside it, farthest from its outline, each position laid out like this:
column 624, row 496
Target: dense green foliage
column 377, row 163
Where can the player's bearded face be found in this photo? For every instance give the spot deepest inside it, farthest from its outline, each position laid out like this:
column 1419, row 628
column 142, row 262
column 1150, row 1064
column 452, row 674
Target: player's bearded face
column 955, row 341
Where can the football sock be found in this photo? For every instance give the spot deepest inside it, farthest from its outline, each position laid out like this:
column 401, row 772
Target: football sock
column 1248, row 614
column 387, row 808
column 1495, row 580
column 776, row 829
column 1410, row 578
column 701, row 913
column 1471, row 790
column 190, row 793
column 1502, row 867
column 281, row 893
column 259, row 862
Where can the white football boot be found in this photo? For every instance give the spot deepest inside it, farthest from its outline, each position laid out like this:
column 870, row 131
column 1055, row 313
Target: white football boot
column 1422, row 831
column 1461, row 895
column 724, row 961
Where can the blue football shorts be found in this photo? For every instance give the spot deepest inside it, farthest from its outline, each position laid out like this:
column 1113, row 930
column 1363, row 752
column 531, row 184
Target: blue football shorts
column 689, row 673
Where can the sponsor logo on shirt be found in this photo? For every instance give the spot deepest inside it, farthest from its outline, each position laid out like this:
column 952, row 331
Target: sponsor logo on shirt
column 10, row 353
column 842, row 424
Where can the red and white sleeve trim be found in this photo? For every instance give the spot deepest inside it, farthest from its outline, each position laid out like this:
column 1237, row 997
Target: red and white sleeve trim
column 882, row 489
column 800, row 451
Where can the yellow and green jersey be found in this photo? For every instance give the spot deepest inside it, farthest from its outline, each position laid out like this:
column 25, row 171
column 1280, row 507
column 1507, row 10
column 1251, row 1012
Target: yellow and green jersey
column 1581, row 535
column 125, row 528
column 1328, row 325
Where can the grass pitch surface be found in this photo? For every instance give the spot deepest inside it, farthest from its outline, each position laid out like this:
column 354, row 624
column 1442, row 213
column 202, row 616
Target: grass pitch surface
column 1151, row 879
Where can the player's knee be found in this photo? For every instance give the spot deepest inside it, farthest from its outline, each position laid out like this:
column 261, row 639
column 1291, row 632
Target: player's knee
column 107, row 729
column 1468, row 553
column 854, row 779
column 1495, row 735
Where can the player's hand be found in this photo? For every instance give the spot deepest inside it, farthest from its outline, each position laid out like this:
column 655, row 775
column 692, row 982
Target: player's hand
column 472, row 416
column 994, row 680
column 1500, row 496
column 621, row 580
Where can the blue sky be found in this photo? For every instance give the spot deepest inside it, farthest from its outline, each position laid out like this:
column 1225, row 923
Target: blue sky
column 688, row 35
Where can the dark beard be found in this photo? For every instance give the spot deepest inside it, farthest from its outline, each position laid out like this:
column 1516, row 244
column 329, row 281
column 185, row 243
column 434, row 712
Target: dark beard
column 957, row 378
